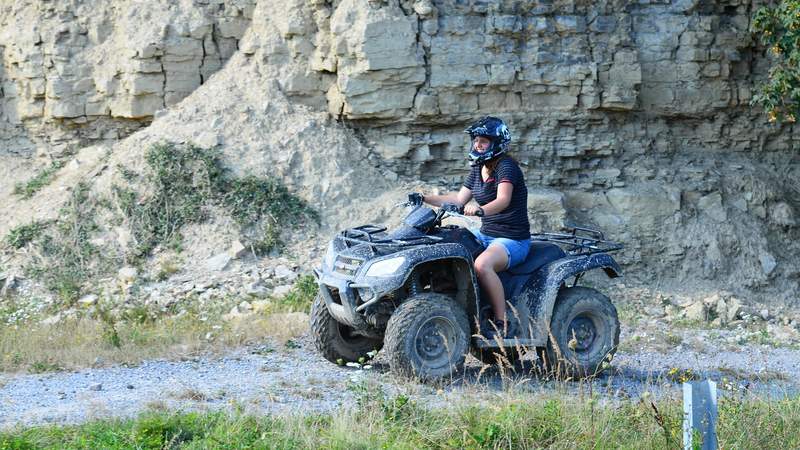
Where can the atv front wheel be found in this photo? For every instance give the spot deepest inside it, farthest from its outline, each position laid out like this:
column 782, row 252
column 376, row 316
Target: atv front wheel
column 428, row 337
column 584, row 333
column 335, row 341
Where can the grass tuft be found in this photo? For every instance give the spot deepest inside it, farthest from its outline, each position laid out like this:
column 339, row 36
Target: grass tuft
column 21, row 235
column 300, row 297
column 43, row 178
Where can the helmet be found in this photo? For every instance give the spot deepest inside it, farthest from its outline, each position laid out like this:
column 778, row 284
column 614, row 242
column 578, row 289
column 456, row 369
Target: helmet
column 497, row 132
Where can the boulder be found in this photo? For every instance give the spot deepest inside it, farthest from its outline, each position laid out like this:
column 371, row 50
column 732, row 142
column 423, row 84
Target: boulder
column 768, row 262
column 697, row 312
column 237, row 250
column 734, row 309
column 782, row 214
column 285, row 273
column 711, row 205
column 219, row 262
column 257, row 290
column 546, row 210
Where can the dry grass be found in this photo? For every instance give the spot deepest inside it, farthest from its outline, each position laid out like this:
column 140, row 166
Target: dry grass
column 191, row 394
column 76, row 343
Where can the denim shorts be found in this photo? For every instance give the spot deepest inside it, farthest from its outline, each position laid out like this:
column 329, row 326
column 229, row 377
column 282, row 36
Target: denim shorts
column 517, row 251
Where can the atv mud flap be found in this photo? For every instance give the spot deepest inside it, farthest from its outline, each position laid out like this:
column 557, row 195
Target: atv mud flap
column 340, row 298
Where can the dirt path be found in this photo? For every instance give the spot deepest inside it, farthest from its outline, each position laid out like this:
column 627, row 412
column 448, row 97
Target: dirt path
column 299, row 381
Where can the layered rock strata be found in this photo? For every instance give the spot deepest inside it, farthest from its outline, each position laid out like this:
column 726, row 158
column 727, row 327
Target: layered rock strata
column 630, row 116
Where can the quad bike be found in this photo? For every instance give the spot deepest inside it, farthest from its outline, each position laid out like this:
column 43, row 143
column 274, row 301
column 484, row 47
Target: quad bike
column 413, row 292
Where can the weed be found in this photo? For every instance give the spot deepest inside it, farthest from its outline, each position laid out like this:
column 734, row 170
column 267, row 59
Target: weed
column 43, row 367
column 192, row 394
column 301, row 296
column 21, row 235
column 677, row 375
column 68, row 258
column 40, row 180
column 110, row 333
column 139, row 333
column 261, row 206
column 126, row 173
column 139, row 314
column 166, row 268
column 674, row 340
column 181, row 184
column 380, row 421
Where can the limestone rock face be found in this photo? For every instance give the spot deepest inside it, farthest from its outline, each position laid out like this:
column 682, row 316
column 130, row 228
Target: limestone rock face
column 632, row 117
column 75, row 65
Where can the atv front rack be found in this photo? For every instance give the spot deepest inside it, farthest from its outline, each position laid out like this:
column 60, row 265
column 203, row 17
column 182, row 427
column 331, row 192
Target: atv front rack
column 365, row 234
column 580, row 241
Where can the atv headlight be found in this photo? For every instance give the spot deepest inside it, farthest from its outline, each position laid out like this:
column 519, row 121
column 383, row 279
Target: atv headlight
column 386, row 267
column 330, row 257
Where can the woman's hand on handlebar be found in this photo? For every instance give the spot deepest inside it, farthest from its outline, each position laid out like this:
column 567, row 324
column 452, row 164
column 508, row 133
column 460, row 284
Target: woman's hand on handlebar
column 473, row 210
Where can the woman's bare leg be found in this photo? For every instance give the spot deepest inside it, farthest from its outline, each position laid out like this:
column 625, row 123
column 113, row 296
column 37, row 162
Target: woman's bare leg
column 491, row 261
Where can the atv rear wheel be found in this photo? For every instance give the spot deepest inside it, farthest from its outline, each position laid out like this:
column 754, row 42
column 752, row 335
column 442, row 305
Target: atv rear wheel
column 337, row 342
column 584, row 333
column 428, row 337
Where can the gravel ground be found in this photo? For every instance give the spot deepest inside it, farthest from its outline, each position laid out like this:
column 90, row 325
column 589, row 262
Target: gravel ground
column 299, row 381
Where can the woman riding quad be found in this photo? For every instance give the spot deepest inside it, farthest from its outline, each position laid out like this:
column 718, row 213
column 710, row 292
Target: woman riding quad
column 496, row 183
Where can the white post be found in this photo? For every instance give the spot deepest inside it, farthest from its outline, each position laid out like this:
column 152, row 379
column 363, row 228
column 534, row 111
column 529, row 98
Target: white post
column 700, row 413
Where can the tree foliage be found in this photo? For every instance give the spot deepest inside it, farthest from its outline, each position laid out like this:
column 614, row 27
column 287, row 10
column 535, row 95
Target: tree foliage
column 778, row 28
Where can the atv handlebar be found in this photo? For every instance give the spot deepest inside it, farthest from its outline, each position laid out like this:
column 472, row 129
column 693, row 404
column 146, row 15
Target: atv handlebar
column 417, row 199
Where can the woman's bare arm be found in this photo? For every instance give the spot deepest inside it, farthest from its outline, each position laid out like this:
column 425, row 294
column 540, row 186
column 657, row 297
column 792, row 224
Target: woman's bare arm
column 504, row 191
column 459, row 198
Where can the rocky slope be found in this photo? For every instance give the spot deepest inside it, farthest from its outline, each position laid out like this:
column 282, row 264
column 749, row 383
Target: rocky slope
column 629, row 116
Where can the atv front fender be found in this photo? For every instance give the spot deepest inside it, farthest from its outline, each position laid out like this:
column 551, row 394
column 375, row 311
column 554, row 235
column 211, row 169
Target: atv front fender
column 416, row 257
column 350, row 297
column 543, row 287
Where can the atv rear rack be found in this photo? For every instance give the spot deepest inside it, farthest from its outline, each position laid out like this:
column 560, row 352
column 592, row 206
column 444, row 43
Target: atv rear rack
column 581, row 241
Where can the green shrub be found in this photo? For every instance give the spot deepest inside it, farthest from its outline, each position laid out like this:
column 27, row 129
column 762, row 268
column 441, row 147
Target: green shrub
column 183, row 181
column 261, row 207
column 777, row 26
column 179, row 185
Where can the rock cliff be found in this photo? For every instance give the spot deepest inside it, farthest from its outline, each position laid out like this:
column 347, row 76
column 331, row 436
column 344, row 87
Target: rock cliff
column 630, row 116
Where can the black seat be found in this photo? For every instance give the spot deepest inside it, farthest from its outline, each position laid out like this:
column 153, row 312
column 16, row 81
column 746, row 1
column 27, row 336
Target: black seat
column 540, row 254
column 514, row 278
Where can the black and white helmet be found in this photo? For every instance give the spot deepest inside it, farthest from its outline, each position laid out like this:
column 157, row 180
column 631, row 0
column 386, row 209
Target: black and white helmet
column 496, row 131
